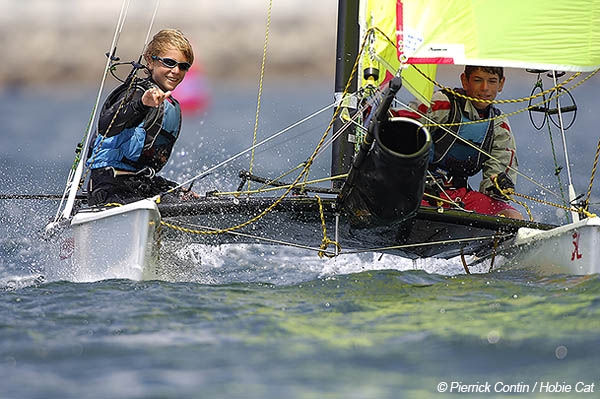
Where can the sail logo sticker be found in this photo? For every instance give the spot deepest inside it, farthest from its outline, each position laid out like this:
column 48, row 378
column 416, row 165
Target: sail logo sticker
column 412, row 41
column 575, row 254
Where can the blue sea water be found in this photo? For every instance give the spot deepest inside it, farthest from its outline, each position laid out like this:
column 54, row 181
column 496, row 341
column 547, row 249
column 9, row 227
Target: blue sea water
column 263, row 322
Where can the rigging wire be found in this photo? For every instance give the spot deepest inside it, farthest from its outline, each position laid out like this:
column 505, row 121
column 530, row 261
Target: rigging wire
column 35, row 197
column 72, row 186
column 261, row 189
column 327, row 144
column 239, row 154
column 269, row 181
column 193, row 228
column 347, row 124
column 424, row 244
column 150, row 26
column 282, row 187
column 557, row 169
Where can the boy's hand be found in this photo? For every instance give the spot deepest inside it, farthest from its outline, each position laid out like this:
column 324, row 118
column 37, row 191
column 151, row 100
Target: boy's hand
column 505, row 184
column 154, row 97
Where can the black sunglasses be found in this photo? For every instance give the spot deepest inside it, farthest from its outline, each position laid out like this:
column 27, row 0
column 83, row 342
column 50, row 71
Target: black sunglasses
column 171, row 63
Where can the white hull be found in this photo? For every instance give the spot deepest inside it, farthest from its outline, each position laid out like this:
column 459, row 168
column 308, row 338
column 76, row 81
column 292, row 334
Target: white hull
column 569, row 249
column 114, row 243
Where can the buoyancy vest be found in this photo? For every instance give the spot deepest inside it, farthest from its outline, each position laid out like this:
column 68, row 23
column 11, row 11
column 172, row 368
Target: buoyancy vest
column 452, row 155
column 149, row 144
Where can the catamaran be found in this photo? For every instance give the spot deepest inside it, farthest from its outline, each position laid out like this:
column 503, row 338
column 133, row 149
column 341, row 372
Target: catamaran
column 379, row 165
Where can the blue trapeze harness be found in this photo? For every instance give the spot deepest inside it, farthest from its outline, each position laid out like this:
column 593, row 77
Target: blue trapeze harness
column 452, row 156
column 147, row 145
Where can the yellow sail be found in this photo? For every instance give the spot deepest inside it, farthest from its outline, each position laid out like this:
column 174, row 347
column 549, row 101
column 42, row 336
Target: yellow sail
column 382, row 51
column 538, row 34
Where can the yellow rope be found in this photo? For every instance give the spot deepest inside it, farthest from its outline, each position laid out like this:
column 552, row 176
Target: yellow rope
column 264, row 190
column 183, row 229
column 566, row 208
column 113, row 204
column 514, row 100
column 592, row 176
column 304, row 183
column 260, row 86
column 517, row 111
column 507, row 194
column 326, row 241
column 281, row 176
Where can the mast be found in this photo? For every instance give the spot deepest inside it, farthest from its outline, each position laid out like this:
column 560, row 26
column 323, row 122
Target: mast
column 342, row 149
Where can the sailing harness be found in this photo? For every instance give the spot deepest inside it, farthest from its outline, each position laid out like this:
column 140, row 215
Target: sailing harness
column 160, row 129
column 452, row 161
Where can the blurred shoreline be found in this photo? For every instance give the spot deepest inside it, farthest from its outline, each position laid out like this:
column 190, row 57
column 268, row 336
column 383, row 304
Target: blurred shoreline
column 65, row 41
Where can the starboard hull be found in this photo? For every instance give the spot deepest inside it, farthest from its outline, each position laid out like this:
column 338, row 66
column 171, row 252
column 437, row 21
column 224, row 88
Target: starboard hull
column 570, row 249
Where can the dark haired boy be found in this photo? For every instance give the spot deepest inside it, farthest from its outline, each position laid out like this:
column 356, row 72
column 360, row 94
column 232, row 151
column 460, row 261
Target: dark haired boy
column 453, row 161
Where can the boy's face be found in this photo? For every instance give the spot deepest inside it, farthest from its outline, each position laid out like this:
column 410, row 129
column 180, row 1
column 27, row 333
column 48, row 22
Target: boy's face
column 483, row 85
column 168, row 78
